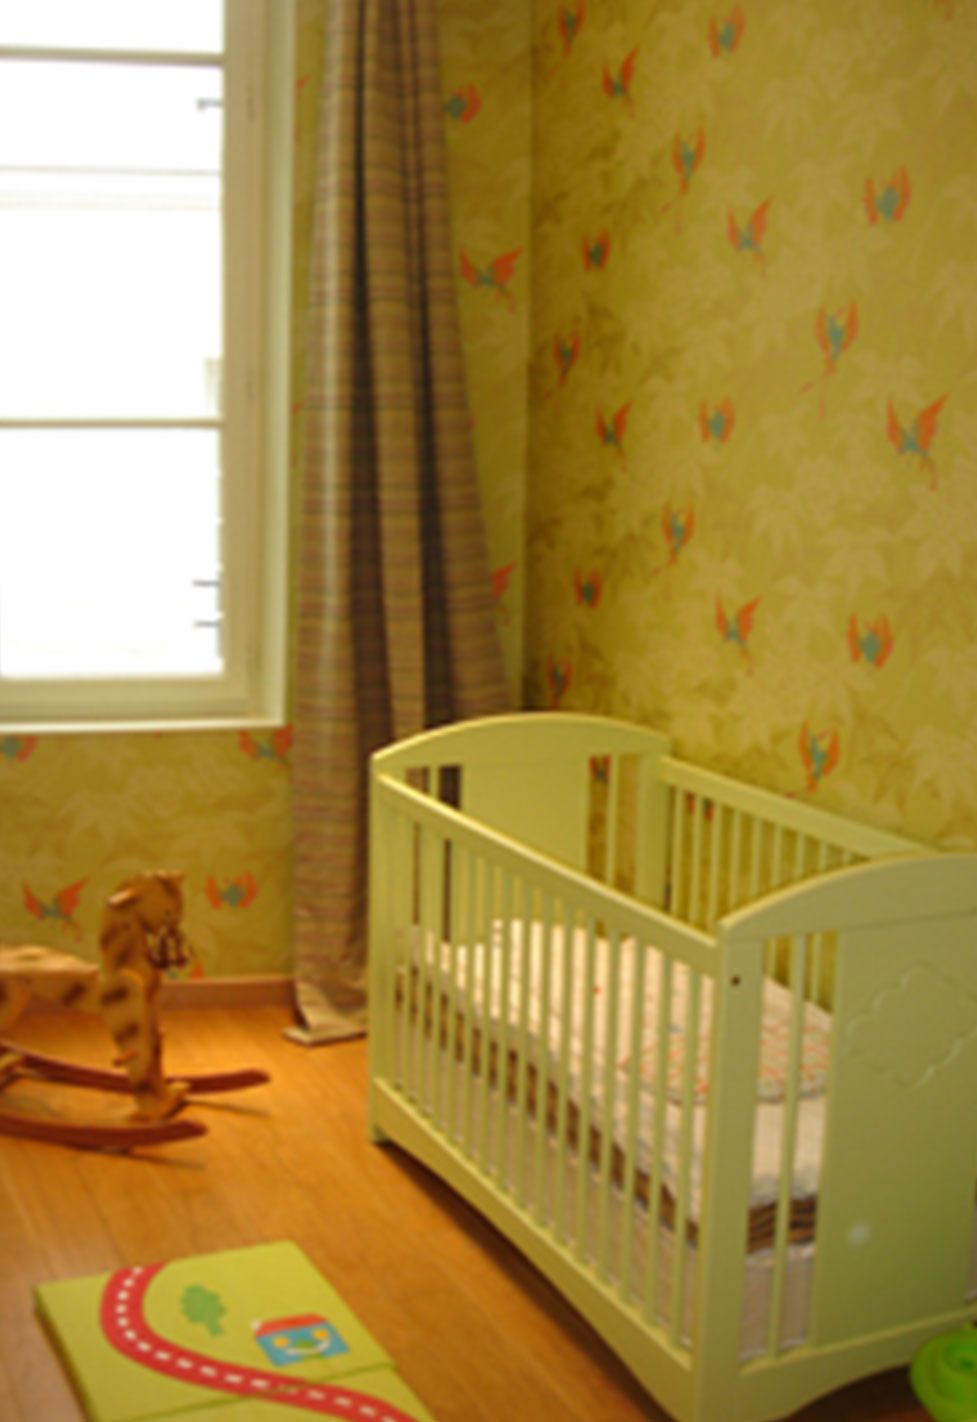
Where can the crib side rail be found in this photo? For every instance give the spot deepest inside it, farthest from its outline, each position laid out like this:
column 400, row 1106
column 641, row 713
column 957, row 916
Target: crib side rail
column 898, row 1175
column 729, row 843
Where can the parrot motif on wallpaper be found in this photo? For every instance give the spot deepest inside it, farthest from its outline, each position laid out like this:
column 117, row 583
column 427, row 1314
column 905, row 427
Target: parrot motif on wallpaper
column 611, row 432
column 891, row 200
column 587, row 588
column 501, row 577
column 686, row 160
column 61, row 908
column 569, row 21
column 917, row 438
column 737, row 629
column 819, row 752
column 17, row 747
column 874, row 644
column 236, row 893
column 600, row 769
column 678, row 526
column 717, row 423
column 558, row 677
column 274, row 747
column 463, row 104
column 596, row 253
column 725, row 35
column 835, row 332
column 496, row 276
column 618, row 86
column 749, row 237
column 566, row 349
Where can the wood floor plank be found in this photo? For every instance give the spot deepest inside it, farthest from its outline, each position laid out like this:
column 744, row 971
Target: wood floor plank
column 475, row 1330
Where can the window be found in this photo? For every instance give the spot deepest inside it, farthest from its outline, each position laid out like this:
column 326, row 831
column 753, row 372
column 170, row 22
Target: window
column 145, row 154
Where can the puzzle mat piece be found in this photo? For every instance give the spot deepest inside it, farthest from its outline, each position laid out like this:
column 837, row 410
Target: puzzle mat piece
column 272, row 1283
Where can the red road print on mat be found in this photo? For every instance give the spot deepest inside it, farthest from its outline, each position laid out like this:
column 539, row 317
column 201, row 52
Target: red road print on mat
column 125, row 1327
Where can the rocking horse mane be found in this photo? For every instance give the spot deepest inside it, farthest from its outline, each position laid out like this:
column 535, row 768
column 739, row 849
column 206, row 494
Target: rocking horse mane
column 142, row 920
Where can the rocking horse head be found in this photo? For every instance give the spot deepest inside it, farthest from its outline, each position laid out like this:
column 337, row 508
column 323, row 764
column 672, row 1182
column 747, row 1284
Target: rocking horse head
column 154, row 902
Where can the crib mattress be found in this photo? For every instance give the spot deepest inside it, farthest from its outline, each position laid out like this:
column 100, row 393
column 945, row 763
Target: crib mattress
column 505, row 999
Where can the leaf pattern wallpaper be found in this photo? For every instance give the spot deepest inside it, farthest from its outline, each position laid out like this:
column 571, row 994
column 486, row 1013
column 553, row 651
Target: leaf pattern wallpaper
column 752, row 487
column 717, row 285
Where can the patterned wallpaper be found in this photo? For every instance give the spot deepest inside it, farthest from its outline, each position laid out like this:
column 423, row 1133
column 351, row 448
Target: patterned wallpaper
column 753, row 474
column 718, row 292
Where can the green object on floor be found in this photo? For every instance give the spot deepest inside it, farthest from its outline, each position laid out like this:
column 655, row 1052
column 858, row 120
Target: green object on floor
column 243, row 1335
column 944, row 1376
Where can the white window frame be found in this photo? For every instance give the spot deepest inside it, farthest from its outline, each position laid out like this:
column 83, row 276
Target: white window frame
column 253, row 425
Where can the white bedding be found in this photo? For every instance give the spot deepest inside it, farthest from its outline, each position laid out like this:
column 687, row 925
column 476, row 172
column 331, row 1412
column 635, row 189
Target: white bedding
column 566, row 1034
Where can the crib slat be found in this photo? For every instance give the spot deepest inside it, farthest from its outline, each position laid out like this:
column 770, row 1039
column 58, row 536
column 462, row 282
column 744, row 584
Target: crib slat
column 686, row 1142
column 543, row 1057
column 678, row 842
column 563, row 1076
column 656, row 1171
column 528, row 973
column 500, row 1138
column 716, row 848
column 608, row 1098
column 585, row 1103
column 695, row 886
column 788, row 1144
column 434, row 990
column 474, row 876
column 451, row 1006
column 735, row 868
column 488, row 941
column 613, row 817
column 625, row 1269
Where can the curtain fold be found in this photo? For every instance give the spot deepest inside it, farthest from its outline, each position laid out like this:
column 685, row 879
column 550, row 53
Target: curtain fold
column 395, row 624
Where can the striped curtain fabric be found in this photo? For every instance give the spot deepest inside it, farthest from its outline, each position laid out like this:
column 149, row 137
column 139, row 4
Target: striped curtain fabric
column 395, row 624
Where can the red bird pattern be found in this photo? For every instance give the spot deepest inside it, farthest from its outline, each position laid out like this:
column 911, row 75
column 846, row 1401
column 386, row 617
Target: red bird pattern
column 569, row 21
column 820, row 752
column 501, row 577
column 587, row 588
column 874, row 643
column 889, row 201
column 725, row 35
column 60, row 909
column 236, row 893
column 17, row 747
column 559, row 675
column 749, row 237
column 678, row 527
column 495, row 277
column 274, row 747
column 917, row 438
column 611, row 432
column 737, row 628
column 463, row 104
column 566, row 350
column 835, row 332
column 618, row 85
column 716, row 424
column 596, row 252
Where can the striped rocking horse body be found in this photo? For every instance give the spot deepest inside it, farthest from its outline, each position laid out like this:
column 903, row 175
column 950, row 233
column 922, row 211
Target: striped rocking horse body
column 139, row 939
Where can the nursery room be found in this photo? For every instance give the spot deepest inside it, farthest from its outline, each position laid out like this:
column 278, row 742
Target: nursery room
column 488, row 709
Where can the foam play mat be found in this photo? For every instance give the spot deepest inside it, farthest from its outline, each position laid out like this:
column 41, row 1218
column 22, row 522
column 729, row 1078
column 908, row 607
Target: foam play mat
column 243, row 1335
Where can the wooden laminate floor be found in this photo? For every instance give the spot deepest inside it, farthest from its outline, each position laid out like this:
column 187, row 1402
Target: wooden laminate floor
column 473, row 1329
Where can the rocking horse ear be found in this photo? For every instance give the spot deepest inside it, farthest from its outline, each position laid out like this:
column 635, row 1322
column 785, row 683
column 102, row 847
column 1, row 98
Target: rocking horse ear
column 123, row 897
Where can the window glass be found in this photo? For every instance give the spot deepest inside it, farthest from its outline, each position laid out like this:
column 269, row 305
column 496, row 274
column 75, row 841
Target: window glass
column 175, row 25
column 117, row 574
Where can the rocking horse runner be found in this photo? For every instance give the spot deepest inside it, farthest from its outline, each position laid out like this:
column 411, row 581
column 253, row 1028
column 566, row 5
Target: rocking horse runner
column 139, row 939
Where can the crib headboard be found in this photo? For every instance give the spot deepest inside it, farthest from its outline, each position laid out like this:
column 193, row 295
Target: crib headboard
column 537, row 777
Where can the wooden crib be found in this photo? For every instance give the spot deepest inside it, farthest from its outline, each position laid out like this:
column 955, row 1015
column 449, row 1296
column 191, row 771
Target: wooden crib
column 707, row 1055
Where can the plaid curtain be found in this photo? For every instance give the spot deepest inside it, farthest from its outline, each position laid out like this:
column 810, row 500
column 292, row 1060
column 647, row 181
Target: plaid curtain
column 396, row 628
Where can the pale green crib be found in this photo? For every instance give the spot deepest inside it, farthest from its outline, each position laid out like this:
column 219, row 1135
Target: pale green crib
column 707, row 1055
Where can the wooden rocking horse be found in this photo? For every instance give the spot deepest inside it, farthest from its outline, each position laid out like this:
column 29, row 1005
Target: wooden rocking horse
column 139, row 939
